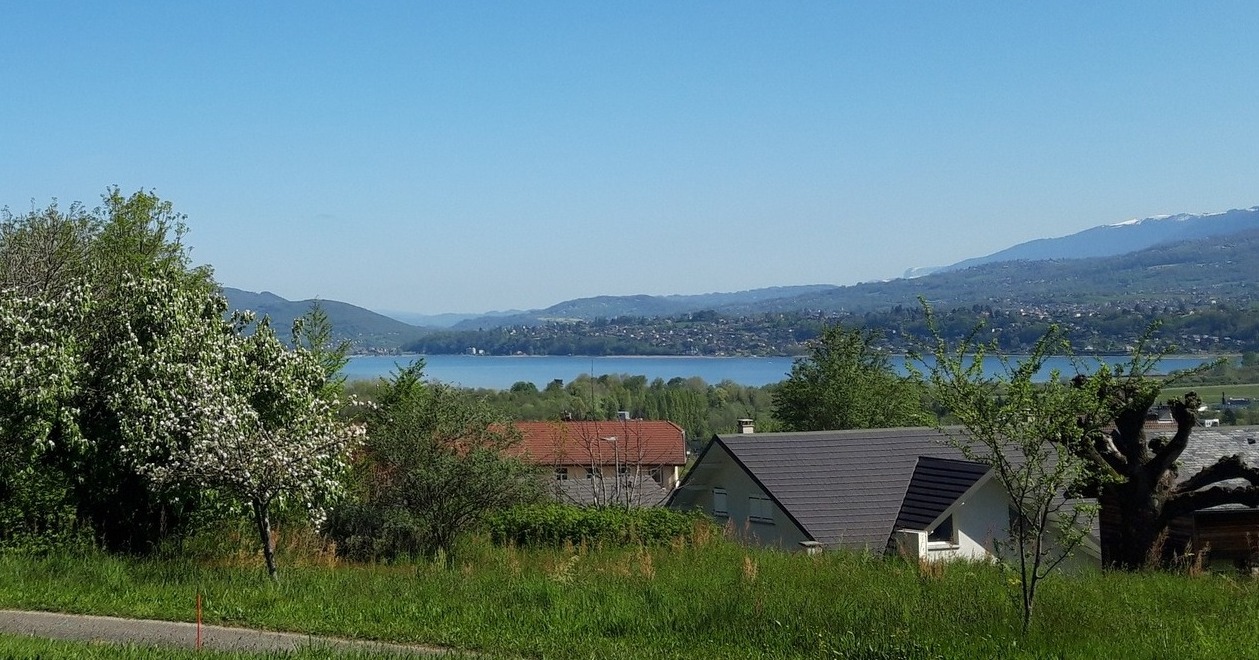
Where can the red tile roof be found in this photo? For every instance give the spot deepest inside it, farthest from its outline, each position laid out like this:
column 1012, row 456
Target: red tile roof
column 616, row 442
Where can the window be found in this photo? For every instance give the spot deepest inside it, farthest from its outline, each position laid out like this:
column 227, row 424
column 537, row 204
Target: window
column 943, row 533
column 561, row 474
column 760, row 509
column 592, row 472
column 719, row 502
column 623, row 470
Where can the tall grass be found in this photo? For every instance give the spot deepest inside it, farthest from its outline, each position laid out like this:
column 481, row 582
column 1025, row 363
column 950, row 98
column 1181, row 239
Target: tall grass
column 711, row 599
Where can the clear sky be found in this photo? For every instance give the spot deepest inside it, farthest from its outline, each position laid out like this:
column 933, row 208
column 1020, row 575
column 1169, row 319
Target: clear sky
column 465, row 157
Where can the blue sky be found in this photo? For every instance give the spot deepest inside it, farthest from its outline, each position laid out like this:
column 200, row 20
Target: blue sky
column 467, row 157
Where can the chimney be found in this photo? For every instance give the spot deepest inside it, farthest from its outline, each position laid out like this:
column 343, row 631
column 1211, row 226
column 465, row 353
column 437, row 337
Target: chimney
column 745, row 425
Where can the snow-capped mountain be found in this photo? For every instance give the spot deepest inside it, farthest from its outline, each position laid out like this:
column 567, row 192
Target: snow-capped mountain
column 1123, row 237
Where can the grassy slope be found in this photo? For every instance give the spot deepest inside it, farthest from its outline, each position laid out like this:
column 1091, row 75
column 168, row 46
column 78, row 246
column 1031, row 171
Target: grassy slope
column 720, row 602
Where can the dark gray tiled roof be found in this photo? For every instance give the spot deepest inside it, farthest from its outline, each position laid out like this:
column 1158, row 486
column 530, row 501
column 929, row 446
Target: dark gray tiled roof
column 640, row 491
column 1208, row 445
column 842, row 487
column 934, row 487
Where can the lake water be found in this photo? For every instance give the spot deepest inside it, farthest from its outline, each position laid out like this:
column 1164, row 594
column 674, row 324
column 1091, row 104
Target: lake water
column 500, row 372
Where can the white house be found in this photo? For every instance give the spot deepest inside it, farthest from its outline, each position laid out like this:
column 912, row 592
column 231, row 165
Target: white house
column 879, row 490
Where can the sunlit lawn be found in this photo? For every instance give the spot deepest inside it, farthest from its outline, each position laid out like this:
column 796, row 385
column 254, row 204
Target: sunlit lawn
column 717, row 601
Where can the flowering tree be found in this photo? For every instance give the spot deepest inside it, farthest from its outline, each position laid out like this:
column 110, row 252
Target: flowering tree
column 39, row 374
column 39, row 367
column 62, row 275
column 216, row 408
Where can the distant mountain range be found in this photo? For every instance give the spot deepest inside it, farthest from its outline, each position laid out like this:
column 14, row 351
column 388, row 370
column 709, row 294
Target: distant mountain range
column 1182, row 257
column 366, row 330
column 1116, row 239
column 587, row 309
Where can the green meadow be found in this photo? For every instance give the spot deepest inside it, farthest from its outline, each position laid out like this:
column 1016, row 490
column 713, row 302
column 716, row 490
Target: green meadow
column 711, row 599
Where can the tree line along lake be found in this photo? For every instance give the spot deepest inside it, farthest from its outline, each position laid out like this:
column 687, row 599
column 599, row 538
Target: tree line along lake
column 501, row 372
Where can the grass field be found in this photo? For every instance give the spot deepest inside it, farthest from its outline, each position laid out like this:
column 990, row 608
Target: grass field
column 1210, row 394
column 715, row 601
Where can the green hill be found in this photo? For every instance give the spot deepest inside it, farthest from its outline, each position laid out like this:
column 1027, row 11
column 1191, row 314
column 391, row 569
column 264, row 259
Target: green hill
column 366, row 330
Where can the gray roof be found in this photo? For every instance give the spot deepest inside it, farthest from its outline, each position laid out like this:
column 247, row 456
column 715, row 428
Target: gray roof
column 934, row 487
column 1208, row 445
column 639, row 491
column 847, row 488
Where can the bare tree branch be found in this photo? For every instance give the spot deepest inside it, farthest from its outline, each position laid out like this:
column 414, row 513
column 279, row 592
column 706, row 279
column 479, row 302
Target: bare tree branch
column 1184, row 411
column 1228, row 467
column 1205, row 499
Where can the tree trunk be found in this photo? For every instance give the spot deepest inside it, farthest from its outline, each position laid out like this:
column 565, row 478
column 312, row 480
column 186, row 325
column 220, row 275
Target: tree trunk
column 1132, row 525
column 262, row 518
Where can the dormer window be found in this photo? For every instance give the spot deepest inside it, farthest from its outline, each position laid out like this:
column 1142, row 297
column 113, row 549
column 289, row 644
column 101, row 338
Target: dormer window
column 943, row 533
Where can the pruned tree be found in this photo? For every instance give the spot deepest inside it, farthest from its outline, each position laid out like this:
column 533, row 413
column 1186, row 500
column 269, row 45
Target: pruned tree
column 1143, row 490
column 847, row 382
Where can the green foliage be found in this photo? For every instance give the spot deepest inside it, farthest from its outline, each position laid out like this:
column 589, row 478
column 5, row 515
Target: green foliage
column 432, row 468
column 1030, row 435
column 700, row 408
column 37, row 512
column 118, row 371
column 846, row 382
column 558, row 524
column 313, row 333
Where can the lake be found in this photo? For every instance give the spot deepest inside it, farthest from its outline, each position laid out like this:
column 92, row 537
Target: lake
column 500, row 372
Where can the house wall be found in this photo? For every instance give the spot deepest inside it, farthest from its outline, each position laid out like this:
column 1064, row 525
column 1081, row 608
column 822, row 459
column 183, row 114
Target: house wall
column 983, row 520
column 669, row 474
column 721, row 471
column 1228, row 536
column 978, row 522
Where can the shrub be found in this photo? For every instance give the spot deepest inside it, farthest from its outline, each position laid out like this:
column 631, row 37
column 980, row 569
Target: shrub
column 556, row 524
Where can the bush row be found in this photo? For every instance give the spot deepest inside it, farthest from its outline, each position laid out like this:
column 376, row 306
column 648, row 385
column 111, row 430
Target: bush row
column 556, row 524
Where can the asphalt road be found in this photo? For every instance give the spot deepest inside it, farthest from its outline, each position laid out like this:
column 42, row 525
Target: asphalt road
column 178, row 634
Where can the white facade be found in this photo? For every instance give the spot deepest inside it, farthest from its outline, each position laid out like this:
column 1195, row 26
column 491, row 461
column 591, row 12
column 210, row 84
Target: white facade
column 980, row 522
column 750, row 513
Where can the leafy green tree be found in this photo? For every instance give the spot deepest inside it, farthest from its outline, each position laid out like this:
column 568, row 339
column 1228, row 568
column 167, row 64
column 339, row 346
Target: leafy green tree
column 1029, row 434
column 434, row 465
column 313, row 333
column 47, row 256
column 846, row 382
